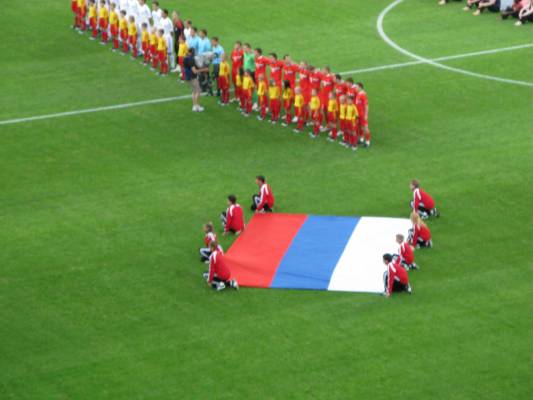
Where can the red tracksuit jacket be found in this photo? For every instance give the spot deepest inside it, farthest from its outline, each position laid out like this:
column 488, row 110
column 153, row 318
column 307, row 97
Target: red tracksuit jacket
column 217, row 266
column 420, row 231
column 396, row 271
column 406, row 252
column 266, row 197
column 419, row 196
column 234, row 218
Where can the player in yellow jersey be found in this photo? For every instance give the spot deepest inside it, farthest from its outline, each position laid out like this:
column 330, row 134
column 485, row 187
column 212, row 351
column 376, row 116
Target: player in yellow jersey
column 113, row 25
column 145, row 43
column 153, row 48
column 274, row 94
column 299, row 103
column 247, row 92
column 262, row 91
column 238, row 88
column 332, row 116
column 287, row 96
column 81, row 9
column 92, row 19
column 162, row 52
column 316, row 113
column 132, row 36
column 123, row 27
column 351, row 123
column 182, row 52
column 342, row 117
column 103, row 21
column 223, row 80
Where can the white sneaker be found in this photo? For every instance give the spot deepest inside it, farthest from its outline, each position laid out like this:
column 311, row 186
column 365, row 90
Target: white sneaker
column 220, row 286
column 205, row 275
column 194, row 109
column 294, row 120
column 234, row 284
column 255, row 107
column 409, row 288
column 200, row 109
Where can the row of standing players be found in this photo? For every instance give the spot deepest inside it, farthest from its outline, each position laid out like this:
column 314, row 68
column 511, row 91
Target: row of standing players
column 153, row 41
column 308, row 95
column 396, row 277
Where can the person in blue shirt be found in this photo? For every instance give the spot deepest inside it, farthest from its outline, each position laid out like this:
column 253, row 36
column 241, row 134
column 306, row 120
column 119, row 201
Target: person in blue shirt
column 218, row 50
column 193, row 42
column 204, row 44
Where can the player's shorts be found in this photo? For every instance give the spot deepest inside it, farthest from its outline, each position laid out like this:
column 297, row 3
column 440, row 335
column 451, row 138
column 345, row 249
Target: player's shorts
column 102, row 23
column 342, row 124
column 114, row 30
column 287, row 104
column 363, row 122
column 124, row 35
column 133, row 41
column 74, row 6
column 145, row 47
column 92, row 22
column 332, row 118
column 162, row 56
column 223, row 83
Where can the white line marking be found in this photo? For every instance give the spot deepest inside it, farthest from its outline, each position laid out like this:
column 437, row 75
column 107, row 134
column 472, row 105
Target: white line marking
column 445, row 58
column 355, row 71
column 93, row 110
column 434, row 63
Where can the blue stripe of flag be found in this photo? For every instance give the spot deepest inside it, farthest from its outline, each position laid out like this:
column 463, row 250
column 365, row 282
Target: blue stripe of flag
column 317, row 247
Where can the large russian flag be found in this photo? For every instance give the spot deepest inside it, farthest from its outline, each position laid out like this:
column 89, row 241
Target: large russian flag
column 297, row 251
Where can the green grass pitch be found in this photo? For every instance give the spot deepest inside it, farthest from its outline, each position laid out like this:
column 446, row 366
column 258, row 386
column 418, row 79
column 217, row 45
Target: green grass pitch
column 101, row 295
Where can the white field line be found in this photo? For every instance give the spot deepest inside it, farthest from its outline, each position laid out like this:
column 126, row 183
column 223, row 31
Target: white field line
column 355, row 71
column 435, row 63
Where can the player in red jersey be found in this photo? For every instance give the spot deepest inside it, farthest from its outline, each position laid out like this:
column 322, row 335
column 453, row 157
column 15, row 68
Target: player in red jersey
column 305, row 87
column 406, row 253
column 422, row 203
column 290, row 70
column 395, row 278
column 209, row 236
column 340, row 88
column 219, row 275
column 276, row 70
column 361, row 102
column 419, row 235
column 236, row 64
column 315, row 78
column 261, row 63
column 264, row 201
column 327, row 86
column 233, row 218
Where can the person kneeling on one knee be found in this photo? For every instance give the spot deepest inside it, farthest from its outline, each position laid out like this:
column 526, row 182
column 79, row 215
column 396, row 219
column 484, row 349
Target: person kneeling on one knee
column 406, row 253
column 395, row 278
column 419, row 235
column 233, row 218
column 210, row 236
column 219, row 275
column 422, row 202
column 264, row 201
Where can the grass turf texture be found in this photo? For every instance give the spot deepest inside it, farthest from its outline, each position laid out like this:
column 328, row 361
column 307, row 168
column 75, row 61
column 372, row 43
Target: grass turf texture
column 100, row 286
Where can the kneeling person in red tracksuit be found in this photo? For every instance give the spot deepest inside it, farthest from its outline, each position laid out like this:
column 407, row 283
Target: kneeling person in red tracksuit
column 422, row 203
column 219, row 275
column 264, row 201
column 406, row 253
column 419, row 235
column 233, row 218
column 395, row 278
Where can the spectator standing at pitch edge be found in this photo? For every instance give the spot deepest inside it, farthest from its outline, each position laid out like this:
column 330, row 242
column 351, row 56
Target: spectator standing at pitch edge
column 191, row 76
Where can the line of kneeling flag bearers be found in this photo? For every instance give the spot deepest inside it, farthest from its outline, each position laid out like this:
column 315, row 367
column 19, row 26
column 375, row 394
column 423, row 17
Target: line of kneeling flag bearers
column 396, row 278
